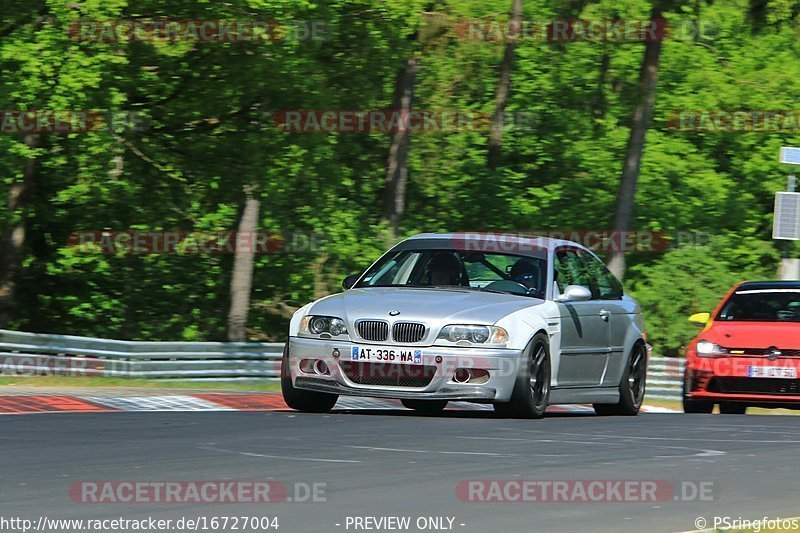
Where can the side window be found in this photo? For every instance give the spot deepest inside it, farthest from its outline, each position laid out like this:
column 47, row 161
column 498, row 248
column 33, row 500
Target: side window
column 570, row 269
column 604, row 285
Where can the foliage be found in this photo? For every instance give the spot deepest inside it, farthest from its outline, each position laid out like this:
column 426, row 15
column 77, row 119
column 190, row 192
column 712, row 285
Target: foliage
column 211, row 132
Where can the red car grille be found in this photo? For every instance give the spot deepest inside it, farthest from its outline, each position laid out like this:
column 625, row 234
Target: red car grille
column 754, row 386
column 387, row 374
column 762, row 351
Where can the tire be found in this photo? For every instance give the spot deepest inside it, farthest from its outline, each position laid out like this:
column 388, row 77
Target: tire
column 532, row 388
column 425, row 407
column 726, row 408
column 695, row 406
column 299, row 399
column 631, row 387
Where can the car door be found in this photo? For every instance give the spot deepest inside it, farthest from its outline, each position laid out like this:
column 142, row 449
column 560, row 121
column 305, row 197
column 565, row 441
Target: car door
column 584, row 328
column 608, row 292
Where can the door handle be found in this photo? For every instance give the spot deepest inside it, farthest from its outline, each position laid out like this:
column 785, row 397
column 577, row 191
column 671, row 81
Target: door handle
column 604, row 314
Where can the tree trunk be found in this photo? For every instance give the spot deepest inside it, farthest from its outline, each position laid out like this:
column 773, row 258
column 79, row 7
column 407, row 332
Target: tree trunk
column 13, row 238
column 397, row 169
column 503, row 89
column 242, row 279
column 600, row 104
column 640, row 121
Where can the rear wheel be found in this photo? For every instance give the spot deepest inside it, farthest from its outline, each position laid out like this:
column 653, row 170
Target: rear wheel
column 299, row 399
column 425, row 407
column 732, row 408
column 631, row 388
column 532, row 389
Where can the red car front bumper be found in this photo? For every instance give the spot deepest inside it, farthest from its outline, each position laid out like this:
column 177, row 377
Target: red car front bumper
column 733, row 379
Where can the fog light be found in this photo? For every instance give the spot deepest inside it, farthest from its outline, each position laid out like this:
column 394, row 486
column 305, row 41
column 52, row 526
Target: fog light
column 462, row 375
column 321, row 368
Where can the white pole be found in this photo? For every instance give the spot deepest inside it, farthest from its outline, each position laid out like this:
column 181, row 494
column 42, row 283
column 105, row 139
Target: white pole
column 790, row 267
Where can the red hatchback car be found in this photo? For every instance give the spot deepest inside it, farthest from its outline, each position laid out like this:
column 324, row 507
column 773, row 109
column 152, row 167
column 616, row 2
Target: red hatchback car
column 749, row 351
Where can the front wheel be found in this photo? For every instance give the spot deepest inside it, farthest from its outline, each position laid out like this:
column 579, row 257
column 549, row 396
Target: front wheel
column 425, row 407
column 532, row 388
column 726, row 408
column 699, row 407
column 299, row 399
column 631, row 388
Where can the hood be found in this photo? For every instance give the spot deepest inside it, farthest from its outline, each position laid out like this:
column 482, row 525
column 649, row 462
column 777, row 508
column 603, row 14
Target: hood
column 785, row 335
column 431, row 306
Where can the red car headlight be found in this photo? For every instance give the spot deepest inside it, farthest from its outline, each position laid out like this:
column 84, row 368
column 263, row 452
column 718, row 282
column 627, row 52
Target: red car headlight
column 705, row 348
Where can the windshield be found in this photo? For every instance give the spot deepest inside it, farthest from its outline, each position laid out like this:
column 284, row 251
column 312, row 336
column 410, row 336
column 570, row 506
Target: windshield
column 764, row 305
column 493, row 272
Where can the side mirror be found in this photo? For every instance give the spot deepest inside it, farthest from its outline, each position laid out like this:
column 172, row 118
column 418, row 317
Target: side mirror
column 575, row 293
column 349, row 281
column 700, row 318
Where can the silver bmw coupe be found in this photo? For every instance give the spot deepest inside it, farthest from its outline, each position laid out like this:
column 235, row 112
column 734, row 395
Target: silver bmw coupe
column 518, row 322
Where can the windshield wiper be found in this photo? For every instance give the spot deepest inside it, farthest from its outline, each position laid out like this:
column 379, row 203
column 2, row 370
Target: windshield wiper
column 449, row 287
column 470, row 288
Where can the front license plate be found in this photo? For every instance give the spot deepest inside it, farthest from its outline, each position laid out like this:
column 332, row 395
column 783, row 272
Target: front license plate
column 380, row 354
column 781, row 372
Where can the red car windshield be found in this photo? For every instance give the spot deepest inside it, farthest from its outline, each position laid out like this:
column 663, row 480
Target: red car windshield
column 762, row 305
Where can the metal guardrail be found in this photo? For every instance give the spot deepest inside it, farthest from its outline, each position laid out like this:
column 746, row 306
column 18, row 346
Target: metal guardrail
column 44, row 354
column 665, row 378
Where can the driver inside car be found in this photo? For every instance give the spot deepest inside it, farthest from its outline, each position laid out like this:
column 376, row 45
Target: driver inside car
column 526, row 273
column 445, row 269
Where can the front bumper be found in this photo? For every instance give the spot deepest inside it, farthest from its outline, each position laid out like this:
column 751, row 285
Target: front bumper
column 502, row 366
column 726, row 379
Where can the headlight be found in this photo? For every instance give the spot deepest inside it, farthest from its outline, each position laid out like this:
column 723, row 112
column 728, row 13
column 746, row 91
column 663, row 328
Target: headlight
column 709, row 349
column 316, row 325
column 468, row 334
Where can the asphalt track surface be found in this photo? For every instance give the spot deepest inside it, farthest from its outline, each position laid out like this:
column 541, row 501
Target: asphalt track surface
column 393, row 463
